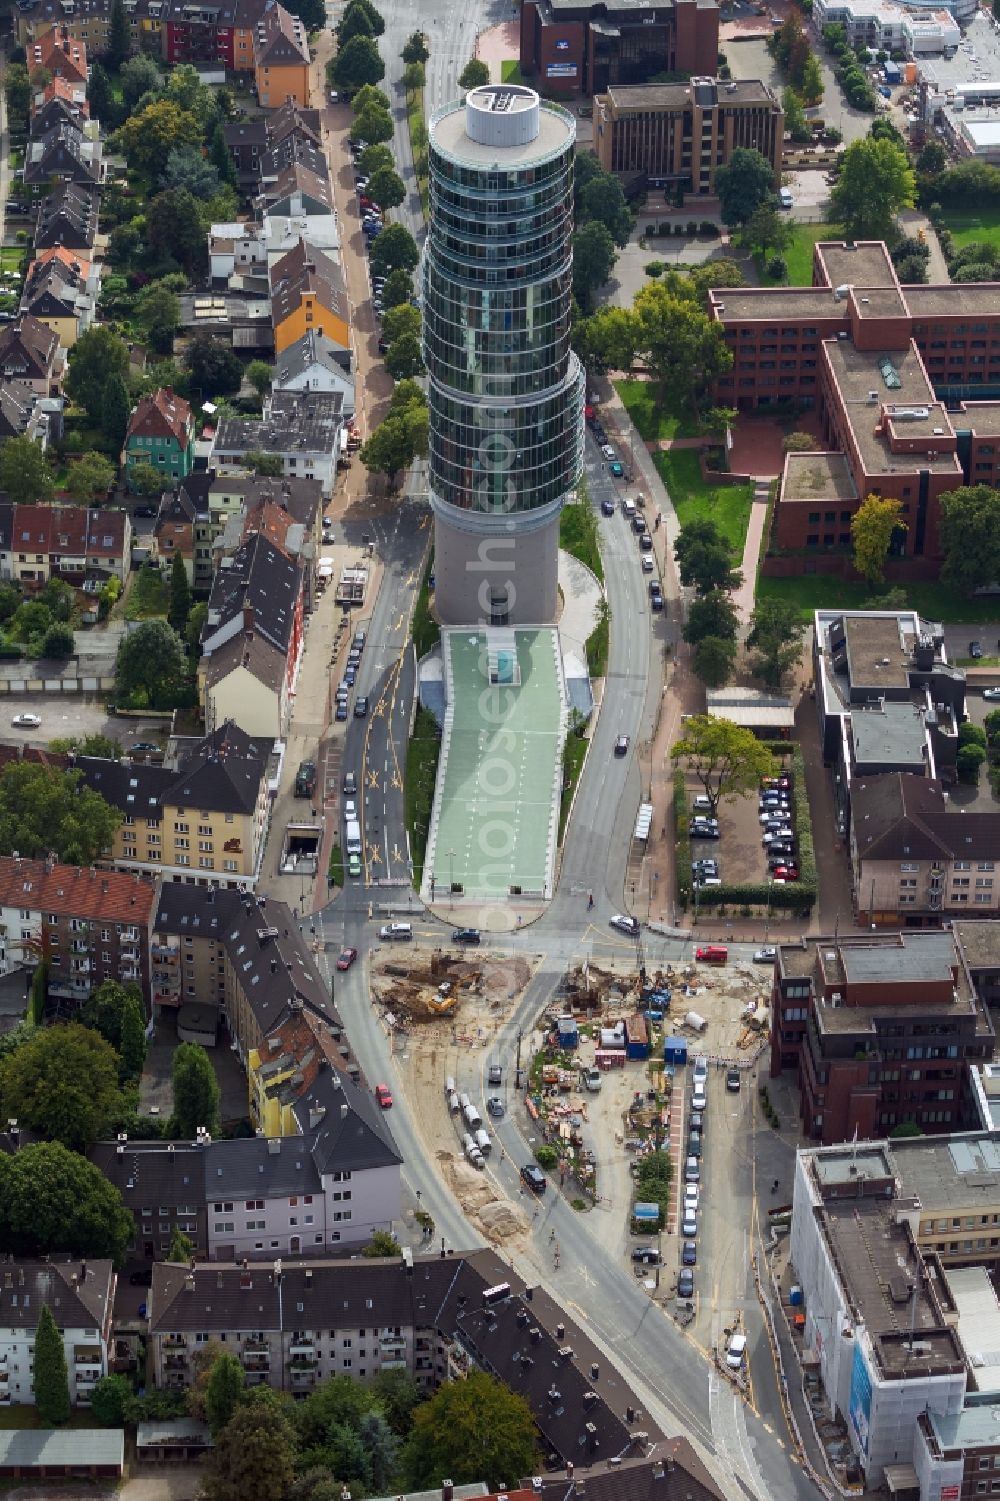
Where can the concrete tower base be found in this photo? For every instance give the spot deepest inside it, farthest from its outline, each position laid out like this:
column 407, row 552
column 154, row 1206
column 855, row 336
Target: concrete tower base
column 487, row 574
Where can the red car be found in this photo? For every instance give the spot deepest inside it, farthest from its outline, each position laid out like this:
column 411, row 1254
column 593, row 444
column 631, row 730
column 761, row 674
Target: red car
column 383, row 1096
column 346, row 958
column 786, row 873
column 712, row 953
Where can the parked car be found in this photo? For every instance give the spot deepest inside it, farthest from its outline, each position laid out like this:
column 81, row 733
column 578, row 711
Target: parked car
column 26, row 722
column 496, row 1107
column 785, row 873
column 975, row 649
column 645, row 543
column 350, row 783
column 733, row 1080
column 354, row 865
column 992, row 694
column 144, row 748
column 534, row 1177
column 383, row 1096
column 608, row 451
column 689, row 1253
column 305, row 779
column 607, row 507
column 647, row 563
column 689, row 1224
column 712, row 953
column 736, row 1351
column 704, row 831
column 656, row 602
column 692, row 1195
column 616, row 469
column 685, row 1283
column 647, row 1255
column 629, row 925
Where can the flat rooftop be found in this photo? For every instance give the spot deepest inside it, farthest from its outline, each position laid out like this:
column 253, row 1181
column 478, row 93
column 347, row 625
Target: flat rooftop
column 650, row 97
column 870, row 1160
column 772, row 304
column 817, row 476
column 950, row 1173
column 878, row 655
column 896, row 376
column 913, row 956
column 971, row 1428
column 980, row 417
column 864, row 264
column 982, row 297
column 979, row 942
column 879, row 302
column 880, row 1271
column 891, row 733
column 556, row 130
column 978, row 1324
column 976, row 61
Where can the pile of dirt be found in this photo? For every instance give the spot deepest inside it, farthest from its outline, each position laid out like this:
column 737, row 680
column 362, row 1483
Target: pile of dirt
column 495, row 1218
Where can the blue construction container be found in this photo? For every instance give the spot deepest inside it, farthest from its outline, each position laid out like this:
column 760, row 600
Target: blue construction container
column 893, row 72
column 675, row 1050
column 569, row 1032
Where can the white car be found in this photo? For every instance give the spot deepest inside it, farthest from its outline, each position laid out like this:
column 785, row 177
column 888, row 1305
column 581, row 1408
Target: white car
column 608, row 451
column 692, row 1196
column 689, row 1224
column 991, row 693
column 26, row 722
column 778, row 834
column 765, row 956
column 629, row 925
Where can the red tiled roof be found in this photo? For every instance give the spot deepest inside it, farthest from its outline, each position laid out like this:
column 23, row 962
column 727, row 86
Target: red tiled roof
column 69, row 891
column 60, row 53
column 32, row 530
column 66, row 89
column 106, row 531
column 161, row 414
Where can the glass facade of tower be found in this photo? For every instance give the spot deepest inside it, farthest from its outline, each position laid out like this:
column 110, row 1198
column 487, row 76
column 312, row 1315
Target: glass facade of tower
column 506, row 391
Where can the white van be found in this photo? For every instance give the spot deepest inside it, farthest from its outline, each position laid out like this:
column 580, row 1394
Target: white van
column 785, row 197
column 473, row 1119
column 395, row 930
column 353, row 837
column 593, row 1080
column 484, row 1141
column 449, row 1085
column 700, row 1073
column 628, row 509
column 736, row 1351
column 453, row 1106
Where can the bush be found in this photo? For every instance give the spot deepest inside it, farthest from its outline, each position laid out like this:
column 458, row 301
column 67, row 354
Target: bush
column 682, row 839
column 803, row 822
column 652, row 1183
column 777, row 266
column 706, row 227
column 679, row 229
column 546, row 1157
column 691, row 227
column 655, row 268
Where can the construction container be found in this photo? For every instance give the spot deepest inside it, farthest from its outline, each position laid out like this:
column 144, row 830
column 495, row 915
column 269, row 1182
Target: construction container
column 569, row 1032
column 675, row 1050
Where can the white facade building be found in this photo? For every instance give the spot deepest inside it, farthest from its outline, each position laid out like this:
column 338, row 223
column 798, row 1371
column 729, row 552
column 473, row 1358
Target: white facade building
column 80, row 1296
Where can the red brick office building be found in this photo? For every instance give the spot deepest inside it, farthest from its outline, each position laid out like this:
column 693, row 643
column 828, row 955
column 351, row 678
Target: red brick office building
column 573, row 46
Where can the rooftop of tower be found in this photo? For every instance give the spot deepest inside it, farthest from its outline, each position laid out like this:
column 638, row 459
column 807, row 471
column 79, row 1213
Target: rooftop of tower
column 507, row 108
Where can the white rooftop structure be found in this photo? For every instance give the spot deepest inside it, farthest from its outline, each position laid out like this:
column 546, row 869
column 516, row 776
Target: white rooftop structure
column 978, row 1323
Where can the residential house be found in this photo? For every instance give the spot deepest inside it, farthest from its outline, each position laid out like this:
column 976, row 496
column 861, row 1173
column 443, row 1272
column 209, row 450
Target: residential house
column 288, row 1064
column 60, row 53
column 31, row 545
column 299, row 205
column 88, row 22
column 316, row 363
column 74, row 95
column 109, row 544
column 300, row 427
column 94, row 925
column 61, row 295
column 231, row 497
column 882, row 1030
column 161, row 434
column 63, row 154
column 281, row 59
column 68, row 218
column 6, row 531
column 23, row 413
column 203, row 822
column 251, row 140
column 80, row 1296
column 162, row 1184
column 308, row 291
column 236, row 250
column 68, row 543
column 183, row 524
column 58, row 110
column 30, row 353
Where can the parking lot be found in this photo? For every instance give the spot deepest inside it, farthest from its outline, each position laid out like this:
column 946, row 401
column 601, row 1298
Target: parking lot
column 63, row 716
column 738, row 851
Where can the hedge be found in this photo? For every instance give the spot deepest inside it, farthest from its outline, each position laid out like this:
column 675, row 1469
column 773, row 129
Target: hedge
column 803, row 823
column 682, row 839
column 652, row 1186
column 796, row 896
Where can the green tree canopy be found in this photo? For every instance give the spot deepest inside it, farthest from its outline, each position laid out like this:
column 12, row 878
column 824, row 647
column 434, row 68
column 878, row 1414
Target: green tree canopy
column 24, row 471
column 104, row 1010
column 187, row 168
column 402, row 435
column 727, row 759
column 382, row 1243
column 109, row 1401
column 415, row 48
column 51, row 1374
column 403, row 359
column 712, row 614
column 684, row 348
column 400, row 321
column 43, row 809
column 139, row 76
column 376, row 155
column 151, row 669
column 713, row 660
column 100, row 96
column 133, row 1043
column 594, row 257
column 969, row 536
column 474, row 74
column 394, row 249
column 746, row 181
column 476, row 1429
column 374, row 125
column 224, row 1391
column 704, row 559
column 398, row 290
column 63, row 1083
column 52, row 1199
column 215, row 369
column 148, row 136
column 270, row 465
column 175, row 231
column 602, row 201
column 873, row 525
column 90, row 476
column 356, row 63
column 196, row 1092
column 367, row 96
column 181, row 1247
column 774, row 640
column 98, row 354
column 259, row 374
column 766, row 229
column 158, row 314
column 606, row 340
column 180, row 595
column 385, row 187
column 875, row 182
column 115, row 410
column 254, row 1454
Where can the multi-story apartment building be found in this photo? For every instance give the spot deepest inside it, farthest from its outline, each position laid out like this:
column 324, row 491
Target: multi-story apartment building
column 80, row 1296
column 68, row 218
column 881, row 1030
column 162, row 1184
column 590, row 45
column 301, row 428
column 93, row 925
column 206, row 31
column 280, row 58
column 308, row 291
column 161, row 434
column 680, row 134
column 87, row 22
column 60, row 53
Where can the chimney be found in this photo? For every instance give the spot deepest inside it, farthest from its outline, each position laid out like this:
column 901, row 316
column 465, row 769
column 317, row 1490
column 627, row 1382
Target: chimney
column 569, row 1469
column 248, row 619
column 560, row 1331
column 344, row 1110
column 316, row 1114
column 447, row 1490
column 309, row 1276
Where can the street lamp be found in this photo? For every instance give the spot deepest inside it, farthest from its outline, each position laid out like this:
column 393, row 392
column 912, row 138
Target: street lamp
column 451, row 878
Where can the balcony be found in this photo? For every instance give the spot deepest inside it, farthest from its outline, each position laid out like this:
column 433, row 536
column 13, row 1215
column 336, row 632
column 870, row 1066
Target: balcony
column 301, row 1344
column 161, row 951
column 390, row 1344
column 303, row 1377
column 175, row 1360
column 174, row 1342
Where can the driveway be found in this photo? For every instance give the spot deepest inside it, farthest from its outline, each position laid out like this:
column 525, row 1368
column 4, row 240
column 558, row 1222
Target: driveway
column 751, row 59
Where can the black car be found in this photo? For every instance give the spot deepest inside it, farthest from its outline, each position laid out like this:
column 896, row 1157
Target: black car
column 142, row 1278
column 975, row 649
column 647, row 1255
column 645, row 543
column 467, row 935
column 733, row 1080
column 689, row 1253
column 144, row 748
column 360, row 708
column 685, row 1284
column 696, row 1121
column 607, row 507
column 656, row 601
column 534, row 1177
column 703, row 831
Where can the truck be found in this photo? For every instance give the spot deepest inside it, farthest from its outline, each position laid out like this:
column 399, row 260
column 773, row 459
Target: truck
column 353, row 837
column 305, row 779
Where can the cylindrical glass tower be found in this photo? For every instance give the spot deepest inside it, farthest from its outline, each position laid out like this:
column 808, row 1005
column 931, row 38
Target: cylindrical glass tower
column 506, row 391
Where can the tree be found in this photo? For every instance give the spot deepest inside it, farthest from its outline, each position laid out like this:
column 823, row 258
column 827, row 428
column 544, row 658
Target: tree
column 221, row 157
column 268, row 465
column 43, row 808
column 196, row 624
column 63, row 1083
column 397, row 291
column 51, row 1374
column 374, row 156
column 971, row 734
column 109, row 1401
column 795, row 116
column 151, row 669
column 713, row 660
column 401, row 437
column 774, row 640
column 786, row 39
column 215, row 369
column 368, row 96
column 606, row 340
column 476, row 1429
column 366, row 6
column 175, row 230
column 356, row 21
column 187, row 168
column 727, row 759
column 86, row 745
column 119, row 35
column 133, row 1048
column 745, row 182
column 115, row 410
column 24, row 471
column 704, row 559
column 196, row 1092
column 138, row 77
column 357, row 63
column 98, row 354
column 875, row 182
column 397, row 1394
column 58, row 644
column 312, row 13
column 148, row 137
column 474, row 74
column 873, row 526
column 17, row 91
column 144, row 480
column 90, row 476
column 394, row 249
column 684, row 348
column 932, row 160
column 968, row 760
column 403, row 359
column 180, row 595
column 969, row 536
column 374, row 125
column 799, row 443
column 385, row 188
column 254, row 1455
column 712, row 614
column 766, row 229
column 594, row 257
column 181, row 1247
column 104, row 1010
column 812, row 81
column 382, row 1243
column 415, row 48
column 258, row 374
column 602, row 201
column 52, row 1199
column 224, row 1392
column 100, row 96
column 401, row 322
column 158, row 314
column 414, row 77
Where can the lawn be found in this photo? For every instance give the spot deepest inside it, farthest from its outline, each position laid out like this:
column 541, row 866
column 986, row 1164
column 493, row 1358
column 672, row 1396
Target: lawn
column 510, row 71
column 574, row 755
column 816, row 592
column 149, row 595
column 799, row 255
column 11, row 257
column 968, row 227
column 654, row 416
column 694, row 498
column 418, row 144
column 418, row 792
column 578, row 534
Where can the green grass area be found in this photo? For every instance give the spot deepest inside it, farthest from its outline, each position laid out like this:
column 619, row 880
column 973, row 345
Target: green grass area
column 574, row 755
column 799, row 255
column 417, row 126
column 965, row 228
column 813, row 591
column 16, row 1416
column 694, row 498
column 598, row 642
column 336, row 872
column 578, row 534
column 655, row 416
column 418, row 796
column 149, row 595
column 11, row 257
column 425, row 630
column 510, row 71
column 16, row 160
